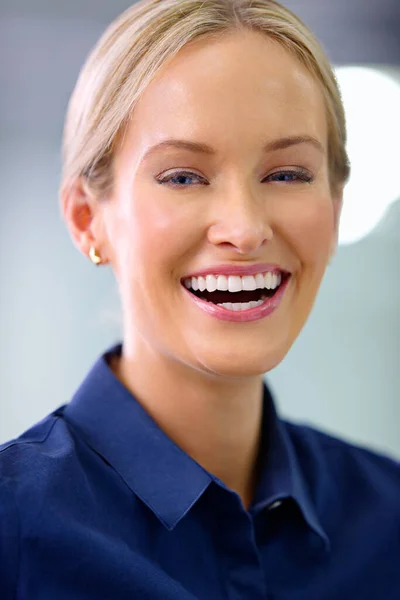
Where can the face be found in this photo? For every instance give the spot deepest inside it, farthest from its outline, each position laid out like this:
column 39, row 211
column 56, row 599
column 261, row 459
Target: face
column 245, row 201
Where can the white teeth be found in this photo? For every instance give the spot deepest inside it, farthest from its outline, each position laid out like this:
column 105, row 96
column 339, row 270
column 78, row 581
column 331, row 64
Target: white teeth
column 234, row 283
column 258, row 303
column 268, row 281
column 211, row 283
column 260, row 281
column 275, row 280
column 222, row 283
column 227, row 305
column 272, row 280
column 202, row 284
column 249, row 283
column 239, row 306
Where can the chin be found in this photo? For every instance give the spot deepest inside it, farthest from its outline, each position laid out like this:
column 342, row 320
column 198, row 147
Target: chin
column 242, row 363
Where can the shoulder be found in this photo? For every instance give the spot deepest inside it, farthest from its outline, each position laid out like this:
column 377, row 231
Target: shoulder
column 337, row 454
column 37, row 467
column 344, row 474
column 27, row 464
column 37, row 449
column 38, row 456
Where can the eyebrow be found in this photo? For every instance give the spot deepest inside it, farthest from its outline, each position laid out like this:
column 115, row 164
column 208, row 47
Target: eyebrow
column 200, row 148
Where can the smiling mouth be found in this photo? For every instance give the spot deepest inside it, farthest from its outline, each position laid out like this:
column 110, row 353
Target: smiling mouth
column 235, row 292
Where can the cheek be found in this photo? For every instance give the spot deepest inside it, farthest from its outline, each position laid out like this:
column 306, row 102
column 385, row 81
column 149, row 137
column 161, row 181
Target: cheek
column 308, row 225
column 160, row 232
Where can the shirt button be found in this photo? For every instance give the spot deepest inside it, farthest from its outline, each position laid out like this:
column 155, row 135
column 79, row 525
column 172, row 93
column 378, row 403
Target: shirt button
column 275, row 504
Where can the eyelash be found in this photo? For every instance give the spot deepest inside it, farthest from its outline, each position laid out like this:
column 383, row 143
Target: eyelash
column 302, row 177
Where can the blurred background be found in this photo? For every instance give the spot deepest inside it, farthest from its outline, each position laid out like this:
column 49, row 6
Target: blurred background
column 58, row 313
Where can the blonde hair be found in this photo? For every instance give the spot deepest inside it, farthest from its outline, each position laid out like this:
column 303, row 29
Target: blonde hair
column 147, row 35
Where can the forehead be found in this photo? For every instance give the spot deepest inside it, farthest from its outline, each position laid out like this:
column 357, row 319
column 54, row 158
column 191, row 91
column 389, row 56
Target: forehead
column 232, row 91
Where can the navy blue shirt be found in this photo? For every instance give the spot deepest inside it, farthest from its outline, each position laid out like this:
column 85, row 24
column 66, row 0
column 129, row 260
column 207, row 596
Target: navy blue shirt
column 97, row 502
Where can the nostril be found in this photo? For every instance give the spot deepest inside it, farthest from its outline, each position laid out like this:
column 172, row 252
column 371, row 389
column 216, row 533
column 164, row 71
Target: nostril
column 244, row 237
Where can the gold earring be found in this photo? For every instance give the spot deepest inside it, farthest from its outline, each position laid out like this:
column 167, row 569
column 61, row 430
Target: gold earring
column 94, row 257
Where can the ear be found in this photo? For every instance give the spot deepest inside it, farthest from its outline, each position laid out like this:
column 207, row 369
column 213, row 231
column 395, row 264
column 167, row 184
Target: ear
column 82, row 215
column 337, row 211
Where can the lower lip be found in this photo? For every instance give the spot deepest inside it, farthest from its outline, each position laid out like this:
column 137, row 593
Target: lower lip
column 242, row 316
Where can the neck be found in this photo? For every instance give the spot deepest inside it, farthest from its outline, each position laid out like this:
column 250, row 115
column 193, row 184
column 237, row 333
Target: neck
column 214, row 420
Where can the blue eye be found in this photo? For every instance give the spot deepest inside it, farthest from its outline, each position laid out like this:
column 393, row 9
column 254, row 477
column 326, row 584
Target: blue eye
column 291, row 176
column 181, row 179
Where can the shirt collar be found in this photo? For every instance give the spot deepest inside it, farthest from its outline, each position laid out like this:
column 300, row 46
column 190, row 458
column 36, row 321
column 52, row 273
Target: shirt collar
column 117, row 427
column 282, row 475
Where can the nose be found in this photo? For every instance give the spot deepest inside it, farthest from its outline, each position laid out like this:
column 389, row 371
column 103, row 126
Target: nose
column 240, row 222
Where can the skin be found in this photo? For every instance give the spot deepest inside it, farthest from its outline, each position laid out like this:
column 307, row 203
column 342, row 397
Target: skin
column 201, row 378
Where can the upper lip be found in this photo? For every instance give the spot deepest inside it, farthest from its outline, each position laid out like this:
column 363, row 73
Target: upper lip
column 240, row 270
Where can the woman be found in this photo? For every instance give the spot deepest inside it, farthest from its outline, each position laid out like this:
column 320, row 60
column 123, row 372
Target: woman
column 204, row 161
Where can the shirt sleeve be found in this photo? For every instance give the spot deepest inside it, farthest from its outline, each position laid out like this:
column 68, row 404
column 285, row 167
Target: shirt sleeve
column 8, row 543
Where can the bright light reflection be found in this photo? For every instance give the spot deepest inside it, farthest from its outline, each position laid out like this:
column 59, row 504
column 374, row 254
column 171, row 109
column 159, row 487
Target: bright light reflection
column 372, row 103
